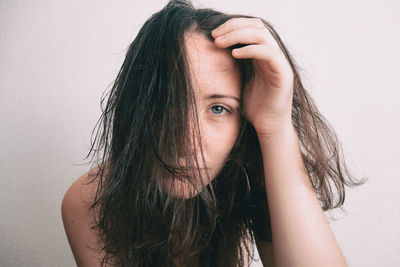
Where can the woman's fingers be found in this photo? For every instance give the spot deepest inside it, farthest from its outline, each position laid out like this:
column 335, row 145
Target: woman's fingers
column 236, row 23
column 247, row 35
column 266, row 53
column 261, row 52
column 242, row 36
column 258, row 42
column 244, row 31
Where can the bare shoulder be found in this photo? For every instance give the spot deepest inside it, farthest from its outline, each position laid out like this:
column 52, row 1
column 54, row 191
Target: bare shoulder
column 78, row 220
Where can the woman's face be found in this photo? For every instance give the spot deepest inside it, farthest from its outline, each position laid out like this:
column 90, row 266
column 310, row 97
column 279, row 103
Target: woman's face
column 217, row 86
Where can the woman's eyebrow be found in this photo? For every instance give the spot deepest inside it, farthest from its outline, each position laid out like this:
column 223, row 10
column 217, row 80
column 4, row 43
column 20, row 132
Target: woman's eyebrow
column 223, row 96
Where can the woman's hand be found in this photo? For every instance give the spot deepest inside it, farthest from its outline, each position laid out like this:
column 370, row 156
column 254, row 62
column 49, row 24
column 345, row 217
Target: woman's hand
column 267, row 98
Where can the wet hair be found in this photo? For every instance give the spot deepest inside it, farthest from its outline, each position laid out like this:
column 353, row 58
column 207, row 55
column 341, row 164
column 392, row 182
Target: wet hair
column 144, row 131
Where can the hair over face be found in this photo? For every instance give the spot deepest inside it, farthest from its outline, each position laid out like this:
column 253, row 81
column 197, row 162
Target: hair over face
column 143, row 132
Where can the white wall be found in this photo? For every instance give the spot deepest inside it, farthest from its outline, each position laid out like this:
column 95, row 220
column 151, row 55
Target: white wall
column 57, row 58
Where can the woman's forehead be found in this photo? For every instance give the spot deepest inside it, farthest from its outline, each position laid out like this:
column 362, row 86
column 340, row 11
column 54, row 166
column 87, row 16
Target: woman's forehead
column 206, row 55
column 212, row 68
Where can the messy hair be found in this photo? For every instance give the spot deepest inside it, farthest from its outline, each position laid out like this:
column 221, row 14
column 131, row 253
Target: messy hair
column 144, row 130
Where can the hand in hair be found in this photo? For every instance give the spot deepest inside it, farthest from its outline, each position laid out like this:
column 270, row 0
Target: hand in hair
column 267, row 97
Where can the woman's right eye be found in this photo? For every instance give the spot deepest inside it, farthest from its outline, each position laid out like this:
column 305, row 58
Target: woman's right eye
column 218, row 109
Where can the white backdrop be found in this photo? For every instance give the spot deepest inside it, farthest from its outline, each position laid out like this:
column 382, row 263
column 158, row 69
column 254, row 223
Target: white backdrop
column 58, row 57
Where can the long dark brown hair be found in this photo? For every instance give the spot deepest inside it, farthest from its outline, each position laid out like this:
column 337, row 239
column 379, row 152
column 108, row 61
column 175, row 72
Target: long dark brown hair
column 143, row 131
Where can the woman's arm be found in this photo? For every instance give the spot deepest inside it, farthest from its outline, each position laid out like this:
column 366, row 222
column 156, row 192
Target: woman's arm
column 301, row 234
column 77, row 219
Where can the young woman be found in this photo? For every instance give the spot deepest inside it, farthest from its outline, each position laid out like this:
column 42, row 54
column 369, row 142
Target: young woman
column 208, row 143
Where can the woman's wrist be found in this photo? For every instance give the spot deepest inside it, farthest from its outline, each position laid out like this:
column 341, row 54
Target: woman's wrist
column 284, row 130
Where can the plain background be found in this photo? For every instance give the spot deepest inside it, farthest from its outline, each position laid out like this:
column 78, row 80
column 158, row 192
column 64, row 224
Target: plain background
column 58, row 57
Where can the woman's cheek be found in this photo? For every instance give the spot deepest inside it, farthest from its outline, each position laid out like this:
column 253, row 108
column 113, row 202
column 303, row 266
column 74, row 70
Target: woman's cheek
column 221, row 137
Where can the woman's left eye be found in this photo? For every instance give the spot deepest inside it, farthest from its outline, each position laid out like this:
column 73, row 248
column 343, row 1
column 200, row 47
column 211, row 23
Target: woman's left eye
column 218, row 109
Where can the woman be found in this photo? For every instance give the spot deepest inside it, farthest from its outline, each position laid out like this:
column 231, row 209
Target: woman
column 208, row 142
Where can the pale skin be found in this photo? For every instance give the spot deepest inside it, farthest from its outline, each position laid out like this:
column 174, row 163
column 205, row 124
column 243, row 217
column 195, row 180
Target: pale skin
column 267, row 100
column 217, row 86
column 267, row 103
